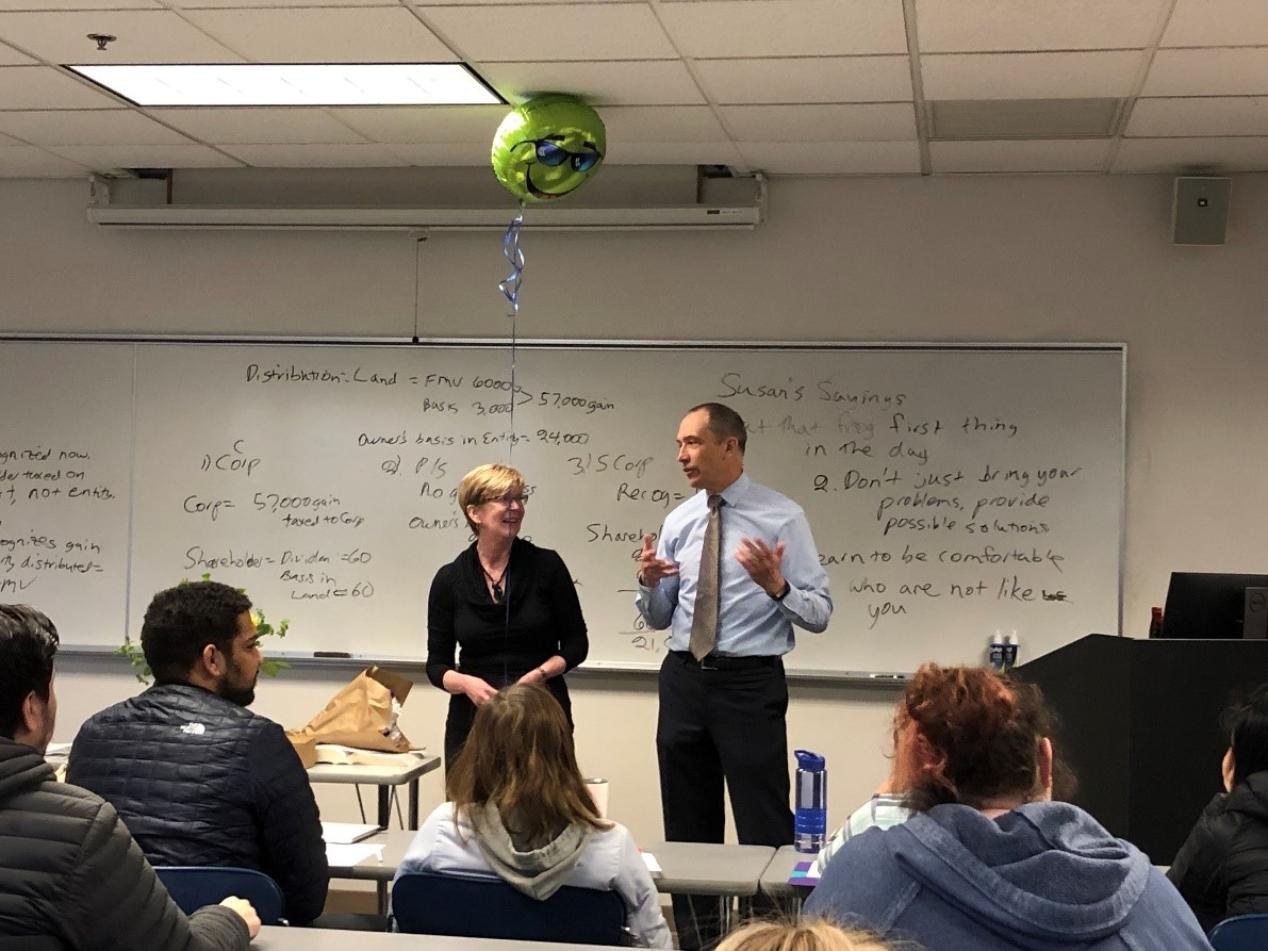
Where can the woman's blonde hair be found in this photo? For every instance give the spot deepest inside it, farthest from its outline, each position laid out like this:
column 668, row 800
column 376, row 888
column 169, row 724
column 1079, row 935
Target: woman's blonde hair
column 810, row 934
column 485, row 483
column 519, row 758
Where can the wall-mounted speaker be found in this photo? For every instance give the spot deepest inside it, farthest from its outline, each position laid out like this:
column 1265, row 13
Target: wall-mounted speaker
column 1199, row 210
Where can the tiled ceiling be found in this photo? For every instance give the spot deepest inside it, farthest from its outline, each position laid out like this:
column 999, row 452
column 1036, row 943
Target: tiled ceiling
column 792, row 87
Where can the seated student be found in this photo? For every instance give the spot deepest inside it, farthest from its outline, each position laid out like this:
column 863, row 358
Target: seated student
column 198, row 778
column 520, row 809
column 809, row 934
column 988, row 860
column 1222, row 868
column 70, row 875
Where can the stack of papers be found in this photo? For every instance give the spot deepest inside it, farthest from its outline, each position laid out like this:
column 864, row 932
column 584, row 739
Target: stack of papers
column 345, row 833
column 354, row 756
column 653, row 866
column 346, row 856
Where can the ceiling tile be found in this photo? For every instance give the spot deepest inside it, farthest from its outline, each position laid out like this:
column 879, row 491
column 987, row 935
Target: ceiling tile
column 1043, row 119
column 833, row 158
column 1207, row 115
column 315, row 156
column 785, row 27
column 102, row 157
column 240, row 4
column 1030, row 75
column 1226, row 23
column 1242, row 72
column 1204, row 156
column 424, row 124
column 144, row 36
column 632, row 124
column 870, row 122
column 585, row 31
column 274, row 126
column 673, row 153
column 443, row 153
column 424, row 4
column 806, row 79
column 997, row 25
column 26, row 161
column 11, row 57
column 43, row 87
column 80, row 5
column 325, row 35
column 1032, row 155
column 641, row 83
column 88, row 127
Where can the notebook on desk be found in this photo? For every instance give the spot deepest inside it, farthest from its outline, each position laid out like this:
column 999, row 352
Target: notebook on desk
column 353, row 756
column 803, row 876
column 345, row 833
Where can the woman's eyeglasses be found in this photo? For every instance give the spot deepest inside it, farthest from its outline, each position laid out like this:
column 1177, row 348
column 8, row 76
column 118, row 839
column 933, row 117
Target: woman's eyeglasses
column 509, row 500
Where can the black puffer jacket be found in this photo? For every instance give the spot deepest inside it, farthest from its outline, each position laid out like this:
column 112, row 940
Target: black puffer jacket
column 1222, row 868
column 71, row 876
column 202, row 781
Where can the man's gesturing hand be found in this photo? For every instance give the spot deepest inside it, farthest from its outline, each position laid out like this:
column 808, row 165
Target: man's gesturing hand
column 762, row 564
column 650, row 568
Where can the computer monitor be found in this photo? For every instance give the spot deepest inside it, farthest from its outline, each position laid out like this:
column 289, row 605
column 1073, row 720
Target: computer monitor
column 1212, row 605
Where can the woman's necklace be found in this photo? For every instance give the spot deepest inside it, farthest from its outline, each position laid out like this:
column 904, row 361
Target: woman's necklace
column 496, row 583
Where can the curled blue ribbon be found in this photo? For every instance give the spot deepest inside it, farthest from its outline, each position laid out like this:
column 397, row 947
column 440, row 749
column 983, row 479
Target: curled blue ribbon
column 510, row 287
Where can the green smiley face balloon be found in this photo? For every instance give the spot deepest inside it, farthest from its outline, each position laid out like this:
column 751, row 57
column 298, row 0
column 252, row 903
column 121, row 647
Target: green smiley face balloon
column 548, row 147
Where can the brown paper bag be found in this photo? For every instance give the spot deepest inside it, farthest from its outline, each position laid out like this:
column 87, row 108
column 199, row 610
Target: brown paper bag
column 359, row 715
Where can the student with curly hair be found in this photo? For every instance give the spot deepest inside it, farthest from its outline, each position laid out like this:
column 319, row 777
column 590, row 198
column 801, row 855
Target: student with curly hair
column 988, row 860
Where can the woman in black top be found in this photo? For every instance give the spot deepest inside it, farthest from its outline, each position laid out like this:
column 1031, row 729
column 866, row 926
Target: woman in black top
column 509, row 606
column 1222, row 868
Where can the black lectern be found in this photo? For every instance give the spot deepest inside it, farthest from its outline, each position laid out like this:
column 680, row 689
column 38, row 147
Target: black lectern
column 1140, row 726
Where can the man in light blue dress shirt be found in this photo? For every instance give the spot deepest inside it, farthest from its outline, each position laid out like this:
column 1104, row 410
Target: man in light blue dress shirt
column 722, row 715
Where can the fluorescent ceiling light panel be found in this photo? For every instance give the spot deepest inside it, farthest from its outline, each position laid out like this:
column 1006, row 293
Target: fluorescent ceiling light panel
column 251, row 84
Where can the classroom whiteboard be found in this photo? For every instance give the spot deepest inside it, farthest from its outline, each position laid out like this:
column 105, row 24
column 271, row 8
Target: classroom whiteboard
column 952, row 491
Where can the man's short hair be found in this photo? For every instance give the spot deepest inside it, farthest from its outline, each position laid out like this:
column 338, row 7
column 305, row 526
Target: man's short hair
column 181, row 621
column 724, row 423
column 28, row 641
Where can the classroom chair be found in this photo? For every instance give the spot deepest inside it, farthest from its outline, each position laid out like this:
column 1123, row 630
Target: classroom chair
column 194, row 886
column 1242, row 933
column 486, row 907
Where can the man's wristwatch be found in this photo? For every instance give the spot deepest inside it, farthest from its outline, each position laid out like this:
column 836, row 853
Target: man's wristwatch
column 783, row 594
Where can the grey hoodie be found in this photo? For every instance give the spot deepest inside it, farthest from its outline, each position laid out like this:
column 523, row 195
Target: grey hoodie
column 1044, row 876
column 536, row 867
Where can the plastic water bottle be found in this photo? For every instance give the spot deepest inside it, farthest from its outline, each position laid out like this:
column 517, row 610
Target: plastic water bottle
column 1011, row 646
column 995, row 652
column 810, row 820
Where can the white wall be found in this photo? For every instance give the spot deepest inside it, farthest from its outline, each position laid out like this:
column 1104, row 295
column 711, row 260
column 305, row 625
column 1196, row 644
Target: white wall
column 1023, row 259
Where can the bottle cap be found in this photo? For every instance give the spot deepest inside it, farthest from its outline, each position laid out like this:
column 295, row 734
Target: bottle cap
column 807, row 760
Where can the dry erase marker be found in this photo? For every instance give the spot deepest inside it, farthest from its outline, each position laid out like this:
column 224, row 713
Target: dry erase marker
column 343, row 654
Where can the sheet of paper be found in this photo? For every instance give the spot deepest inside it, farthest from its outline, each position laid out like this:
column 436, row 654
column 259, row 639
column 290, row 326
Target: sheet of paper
column 653, row 866
column 345, row 833
column 358, row 853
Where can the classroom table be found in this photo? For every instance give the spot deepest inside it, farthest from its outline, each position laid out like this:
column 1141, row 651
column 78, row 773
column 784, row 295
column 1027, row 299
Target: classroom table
column 384, row 777
column 277, row 938
column 701, row 868
column 696, row 868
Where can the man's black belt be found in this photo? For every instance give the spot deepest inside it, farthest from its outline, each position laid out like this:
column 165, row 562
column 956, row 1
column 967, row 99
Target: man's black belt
column 716, row 662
